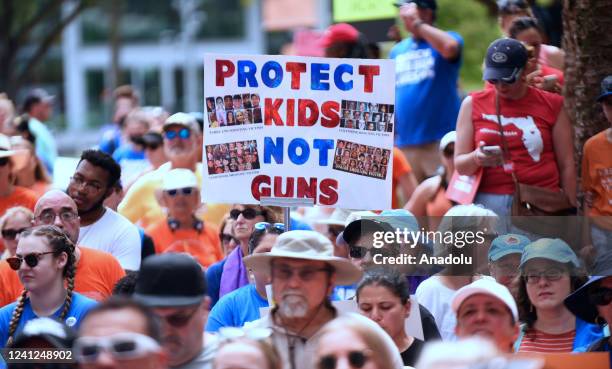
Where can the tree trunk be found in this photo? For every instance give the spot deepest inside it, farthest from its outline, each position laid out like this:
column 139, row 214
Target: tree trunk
column 587, row 42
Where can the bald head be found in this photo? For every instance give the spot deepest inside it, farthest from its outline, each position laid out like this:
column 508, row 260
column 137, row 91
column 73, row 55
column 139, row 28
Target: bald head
column 56, row 208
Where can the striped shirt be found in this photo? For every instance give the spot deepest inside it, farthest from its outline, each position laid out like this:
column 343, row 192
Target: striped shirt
column 538, row 341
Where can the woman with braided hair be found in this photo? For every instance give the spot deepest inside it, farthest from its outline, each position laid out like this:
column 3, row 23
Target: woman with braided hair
column 45, row 263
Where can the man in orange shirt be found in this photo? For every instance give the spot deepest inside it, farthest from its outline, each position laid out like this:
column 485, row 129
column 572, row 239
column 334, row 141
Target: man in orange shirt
column 96, row 271
column 182, row 230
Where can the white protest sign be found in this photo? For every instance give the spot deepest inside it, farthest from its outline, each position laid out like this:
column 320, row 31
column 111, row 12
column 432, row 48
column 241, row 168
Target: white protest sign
column 298, row 127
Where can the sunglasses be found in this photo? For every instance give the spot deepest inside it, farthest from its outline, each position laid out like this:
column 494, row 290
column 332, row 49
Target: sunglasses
column 11, row 234
column 31, row 260
column 4, row 161
column 122, row 346
column 359, row 252
column 183, row 134
column 185, row 191
column 248, row 213
column 180, row 319
column 263, row 226
column 357, row 359
column 601, row 296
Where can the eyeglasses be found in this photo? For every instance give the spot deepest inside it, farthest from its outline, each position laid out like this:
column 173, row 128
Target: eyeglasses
column 122, row 346
column 285, row 273
column 31, row 260
column 601, row 296
column 263, row 226
column 248, row 213
column 357, row 359
column 552, row 274
column 185, row 191
column 89, row 186
column 183, row 134
column 180, row 319
column 359, row 252
column 48, row 217
column 4, row 161
column 11, row 234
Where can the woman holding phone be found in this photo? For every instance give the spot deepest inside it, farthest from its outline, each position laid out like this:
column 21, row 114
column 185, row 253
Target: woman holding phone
column 534, row 128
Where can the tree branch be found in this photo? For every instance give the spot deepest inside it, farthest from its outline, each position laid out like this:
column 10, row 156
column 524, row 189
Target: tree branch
column 48, row 42
column 47, row 10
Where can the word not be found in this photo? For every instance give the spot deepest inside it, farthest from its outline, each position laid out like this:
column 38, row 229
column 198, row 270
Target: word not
column 298, row 150
column 272, row 74
column 300, row 187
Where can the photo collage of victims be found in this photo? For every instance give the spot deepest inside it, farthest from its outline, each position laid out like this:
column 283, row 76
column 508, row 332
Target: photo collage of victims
column 366, row 116
column 233, row 110
column 361, row 159
column 232, row 157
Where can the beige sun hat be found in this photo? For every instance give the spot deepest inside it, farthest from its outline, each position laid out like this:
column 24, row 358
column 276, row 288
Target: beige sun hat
column 306, row 245
column 18, row 157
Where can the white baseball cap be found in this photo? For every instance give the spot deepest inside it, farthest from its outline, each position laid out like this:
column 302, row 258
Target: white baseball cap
column 179, row 178
column 485, row 286
column 448, row 139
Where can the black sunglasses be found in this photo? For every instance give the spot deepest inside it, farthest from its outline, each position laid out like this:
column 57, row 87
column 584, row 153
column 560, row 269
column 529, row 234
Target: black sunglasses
column 185, row 191
column 357, row 359
column 248, row 213
column 359, row 252
column 600, row 296
column 11, row 234
column 31, row 260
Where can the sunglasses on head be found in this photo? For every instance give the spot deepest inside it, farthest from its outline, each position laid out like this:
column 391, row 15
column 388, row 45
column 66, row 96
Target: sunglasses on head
column 262, row 226
column 122, row 346
column 359, row 252
column 31, row 260
column 11, row 234
column 357, row 359
column 183, row 134
column 600, row 296
column 248, row 213
column 185, row 191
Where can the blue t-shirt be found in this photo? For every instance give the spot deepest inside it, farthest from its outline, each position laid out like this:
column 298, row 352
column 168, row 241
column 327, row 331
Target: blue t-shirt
column 128, row 152
column 236, row 308
column 111, row 138
column 213, row 281
column 426, row 97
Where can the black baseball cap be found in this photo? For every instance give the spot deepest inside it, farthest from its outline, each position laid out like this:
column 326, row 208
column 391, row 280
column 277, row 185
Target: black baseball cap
column 505, row 60
column 423, row 4
column 170, row 280
column 56, row 333
column 606, row 88
column 357, row 228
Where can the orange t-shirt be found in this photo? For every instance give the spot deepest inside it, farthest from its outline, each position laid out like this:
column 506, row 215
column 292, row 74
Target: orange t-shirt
column 21, row 196
column 96, row 275
column 400, row 168
column 597, row 175
column 204, row 246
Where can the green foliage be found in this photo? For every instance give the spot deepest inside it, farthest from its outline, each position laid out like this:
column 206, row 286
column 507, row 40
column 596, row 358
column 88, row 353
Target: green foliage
column 469, row 18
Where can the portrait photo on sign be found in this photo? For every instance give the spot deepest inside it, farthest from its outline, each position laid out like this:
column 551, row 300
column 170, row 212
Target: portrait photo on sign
column 361, row 159
column 233, row 110
column 232, row 157
column 365, row 116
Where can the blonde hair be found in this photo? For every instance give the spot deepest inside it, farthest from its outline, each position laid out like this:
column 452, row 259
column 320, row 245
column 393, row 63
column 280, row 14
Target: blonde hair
column 14, row 211
column 265, row 347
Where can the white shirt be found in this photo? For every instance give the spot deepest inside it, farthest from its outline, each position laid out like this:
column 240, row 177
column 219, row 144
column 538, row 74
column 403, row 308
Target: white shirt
column 436, row 297
column 114, row 234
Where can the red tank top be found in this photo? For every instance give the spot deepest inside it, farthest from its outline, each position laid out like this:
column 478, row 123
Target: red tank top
column 528, row 124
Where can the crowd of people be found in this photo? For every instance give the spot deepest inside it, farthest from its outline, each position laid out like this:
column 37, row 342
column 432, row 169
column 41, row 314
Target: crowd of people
column 126, row 266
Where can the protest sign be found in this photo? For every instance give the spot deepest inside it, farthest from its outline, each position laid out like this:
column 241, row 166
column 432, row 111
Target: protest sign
column 298, row 127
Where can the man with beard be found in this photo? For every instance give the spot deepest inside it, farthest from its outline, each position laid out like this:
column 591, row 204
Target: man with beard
column 103, row 229
column 174, row 286
column 181, row 143
column 303, row 272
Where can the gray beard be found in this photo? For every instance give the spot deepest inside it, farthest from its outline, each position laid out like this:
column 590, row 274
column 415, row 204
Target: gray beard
column 293, row 306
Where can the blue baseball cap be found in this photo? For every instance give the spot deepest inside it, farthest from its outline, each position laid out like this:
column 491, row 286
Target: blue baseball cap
column 554, row 249
column 507, row 244
column 505, row 60
column 606, row 88
column 578, row 302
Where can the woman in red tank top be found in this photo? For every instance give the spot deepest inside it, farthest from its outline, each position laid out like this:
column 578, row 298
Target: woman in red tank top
column 536, row 129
